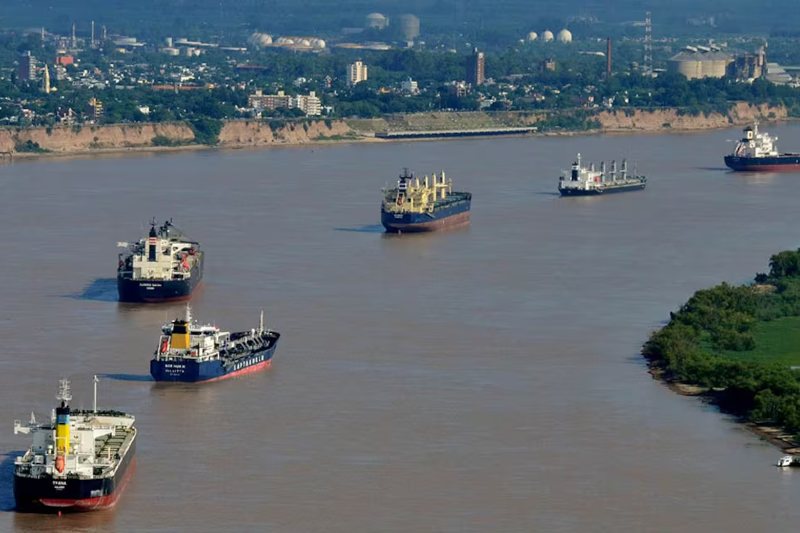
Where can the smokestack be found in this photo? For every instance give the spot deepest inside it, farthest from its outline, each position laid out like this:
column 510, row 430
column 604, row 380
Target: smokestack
column 92, row 41
column 608, row 57
column 74, row 39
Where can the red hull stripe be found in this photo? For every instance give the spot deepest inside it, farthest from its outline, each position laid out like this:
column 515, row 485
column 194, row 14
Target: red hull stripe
column 772, row 168
column 90, row 504
column 249, row 370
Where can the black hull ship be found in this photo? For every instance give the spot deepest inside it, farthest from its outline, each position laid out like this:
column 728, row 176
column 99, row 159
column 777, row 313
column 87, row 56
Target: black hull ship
column 583, row 181
column 164, row 267
column 79, row 460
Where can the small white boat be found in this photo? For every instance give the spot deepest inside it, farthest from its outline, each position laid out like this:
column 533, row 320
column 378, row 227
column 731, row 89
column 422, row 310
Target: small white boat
column 788, row 460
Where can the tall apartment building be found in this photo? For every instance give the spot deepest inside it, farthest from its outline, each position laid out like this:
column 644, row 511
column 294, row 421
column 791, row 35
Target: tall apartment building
column 476, row 64
column 95, row 110
column 26, row 71
column 356, row 73
column 310, row 104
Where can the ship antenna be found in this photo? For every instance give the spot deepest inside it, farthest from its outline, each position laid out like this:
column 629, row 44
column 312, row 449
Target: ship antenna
column 94, row 382
column 63, row 391
column 261, row 322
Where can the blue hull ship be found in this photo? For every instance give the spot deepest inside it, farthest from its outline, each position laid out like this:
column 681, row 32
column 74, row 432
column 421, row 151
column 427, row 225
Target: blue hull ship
column 424, row 205
column 188, row 352
column 158, row 291
column 757, row 151
column 190, row 371
column 783, row 162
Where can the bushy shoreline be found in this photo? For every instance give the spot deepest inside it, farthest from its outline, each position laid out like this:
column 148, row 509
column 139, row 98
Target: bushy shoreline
column 695, row 347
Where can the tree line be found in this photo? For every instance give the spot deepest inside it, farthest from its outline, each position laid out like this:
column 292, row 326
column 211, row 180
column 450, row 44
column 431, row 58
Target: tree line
column 691, row 347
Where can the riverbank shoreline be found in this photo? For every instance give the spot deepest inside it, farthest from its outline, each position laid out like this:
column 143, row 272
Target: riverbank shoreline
column 772, row 434
column 128, row 139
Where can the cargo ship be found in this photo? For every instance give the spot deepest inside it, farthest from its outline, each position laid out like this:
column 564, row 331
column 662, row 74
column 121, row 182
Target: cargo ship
column 757, row 151
column 163, row 267
column 80, row 460
column 189, row 352
column 587, row 181
column 423, row 205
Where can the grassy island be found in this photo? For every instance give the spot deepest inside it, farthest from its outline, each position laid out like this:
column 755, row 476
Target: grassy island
column 740, row 345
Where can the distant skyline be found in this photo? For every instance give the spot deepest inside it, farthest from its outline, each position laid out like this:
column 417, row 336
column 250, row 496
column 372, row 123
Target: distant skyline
column 737, row 16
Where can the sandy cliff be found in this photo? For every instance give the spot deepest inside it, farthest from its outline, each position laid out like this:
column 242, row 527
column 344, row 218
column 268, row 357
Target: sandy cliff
column 643, row 120
column 66, row 139
column 258, row 133
column 241, row 133
column 85, row 138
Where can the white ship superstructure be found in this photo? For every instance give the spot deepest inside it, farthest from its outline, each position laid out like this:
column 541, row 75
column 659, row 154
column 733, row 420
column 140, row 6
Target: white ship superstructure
column 164, row 255
column 164, row 266
column 188, row 351
column 756, row 144
column 78, row 459
column 582, row 181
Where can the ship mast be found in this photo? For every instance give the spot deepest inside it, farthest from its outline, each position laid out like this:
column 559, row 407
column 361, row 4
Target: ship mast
column 64, row 394
column 94, row 404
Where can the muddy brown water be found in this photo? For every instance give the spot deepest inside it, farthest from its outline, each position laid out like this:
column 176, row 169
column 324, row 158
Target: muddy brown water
column 480, row 379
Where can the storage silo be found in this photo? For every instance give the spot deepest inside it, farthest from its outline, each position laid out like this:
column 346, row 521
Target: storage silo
column 377, row 21
column 695, row 64
column 409, row 26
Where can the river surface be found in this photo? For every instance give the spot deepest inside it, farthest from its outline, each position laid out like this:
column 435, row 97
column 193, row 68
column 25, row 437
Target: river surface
column 483, row 379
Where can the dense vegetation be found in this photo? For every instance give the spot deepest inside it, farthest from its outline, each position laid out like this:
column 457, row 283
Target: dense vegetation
column 712, row 341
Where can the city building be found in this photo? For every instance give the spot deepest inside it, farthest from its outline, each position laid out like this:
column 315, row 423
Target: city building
column 458, row 89
column 59, row 72
column 476, row 64
column 65, row 116
column 95, row 109
column 749, row 66
column 26, row 71
column 777, row 74
column 310, row 104
column 409, row 86
column 548, row 65
column 356, row 73
column 260, row 101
